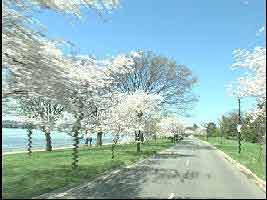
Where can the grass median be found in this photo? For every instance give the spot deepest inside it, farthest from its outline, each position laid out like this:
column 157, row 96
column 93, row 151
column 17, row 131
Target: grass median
column 250, row 155
column 26, row 177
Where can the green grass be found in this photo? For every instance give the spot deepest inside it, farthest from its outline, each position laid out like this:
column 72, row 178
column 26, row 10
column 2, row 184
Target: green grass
column 26, row 177
column 249, row 156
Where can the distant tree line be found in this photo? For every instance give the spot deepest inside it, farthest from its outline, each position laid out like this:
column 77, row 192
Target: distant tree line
column 252, row 130
column 12, row 124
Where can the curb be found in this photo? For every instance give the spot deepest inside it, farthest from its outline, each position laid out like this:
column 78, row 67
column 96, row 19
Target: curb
column 102, row 177
column 261, row 183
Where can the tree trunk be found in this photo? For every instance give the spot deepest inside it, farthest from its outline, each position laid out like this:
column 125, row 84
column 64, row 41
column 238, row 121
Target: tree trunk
column 138, row 142
column 138, row 146
column 221, row 137
column 48, row 141
column 29, row 130
column 79, row 115
column 142, row 137
column 155, row 138
column 90, row 141
column 115, row 141
column 112, row 150
column 99, row 139
column 264, row 157
column 75, row 150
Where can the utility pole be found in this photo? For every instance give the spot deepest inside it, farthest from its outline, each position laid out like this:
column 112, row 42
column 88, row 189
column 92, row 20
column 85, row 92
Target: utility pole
column 239, row 127
column 221, row 133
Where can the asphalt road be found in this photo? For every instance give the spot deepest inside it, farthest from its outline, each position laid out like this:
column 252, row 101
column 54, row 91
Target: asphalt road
column 191, row 169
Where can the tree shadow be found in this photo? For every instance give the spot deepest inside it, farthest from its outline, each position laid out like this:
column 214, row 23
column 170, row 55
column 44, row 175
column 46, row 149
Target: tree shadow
column 171, row 156
column 46, row 180
column 191, row 145
column 130, row 182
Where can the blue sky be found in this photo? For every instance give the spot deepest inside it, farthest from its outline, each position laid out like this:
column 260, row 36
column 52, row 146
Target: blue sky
column 199, row 34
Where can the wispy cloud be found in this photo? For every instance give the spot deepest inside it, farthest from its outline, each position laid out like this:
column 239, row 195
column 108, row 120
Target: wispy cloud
column 245, row 2
column 260, row 31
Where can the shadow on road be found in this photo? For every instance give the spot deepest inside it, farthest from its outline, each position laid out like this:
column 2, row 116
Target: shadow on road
column 171, row 156
column 195, row 147
column 191, row 145
column 132, row 182
column 129, row 182
column 152, row 177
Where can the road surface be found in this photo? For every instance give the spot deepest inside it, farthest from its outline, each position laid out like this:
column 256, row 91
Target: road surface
column 190, row 169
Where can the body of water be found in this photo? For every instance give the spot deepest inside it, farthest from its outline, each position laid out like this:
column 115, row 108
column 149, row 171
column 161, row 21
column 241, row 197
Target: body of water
column 15, row 139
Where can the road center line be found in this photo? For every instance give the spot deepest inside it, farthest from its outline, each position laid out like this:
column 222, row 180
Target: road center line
column 171, row 196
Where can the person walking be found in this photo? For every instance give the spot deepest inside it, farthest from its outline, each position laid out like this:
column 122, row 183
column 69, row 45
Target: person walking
column 87, row 138
column 90, row 141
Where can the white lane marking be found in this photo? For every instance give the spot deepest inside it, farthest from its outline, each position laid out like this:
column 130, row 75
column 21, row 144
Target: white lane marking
column 105, row 177
column 61, row 194
column 187, row 163
column 116, row 171
column 171, row 196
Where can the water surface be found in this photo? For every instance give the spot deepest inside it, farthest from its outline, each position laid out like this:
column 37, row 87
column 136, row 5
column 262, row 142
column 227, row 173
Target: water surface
column 15, row 139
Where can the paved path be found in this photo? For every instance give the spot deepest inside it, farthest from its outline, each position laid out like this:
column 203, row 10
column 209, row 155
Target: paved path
column 191, row 169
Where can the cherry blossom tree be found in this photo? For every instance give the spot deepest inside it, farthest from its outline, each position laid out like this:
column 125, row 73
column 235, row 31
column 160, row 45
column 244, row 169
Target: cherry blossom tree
column 117, row 121
column 36, row 62
column 123, row 116
column 157, row 74
column 71, row 124
column 253, row 84
column 43, row 110
column 80, row 89
column 30, row 123
column 136, row 109
column 90, row 88
column 119, row 64
column 90, row 80
column 152, row 127
column 170, row 126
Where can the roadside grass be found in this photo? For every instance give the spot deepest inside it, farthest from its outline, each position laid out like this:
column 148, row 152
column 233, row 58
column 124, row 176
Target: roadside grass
column 26, row 177
column 250, row 153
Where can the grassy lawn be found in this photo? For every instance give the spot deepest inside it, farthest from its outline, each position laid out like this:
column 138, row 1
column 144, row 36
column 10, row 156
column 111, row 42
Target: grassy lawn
column 26, row 177
column 248, row 157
